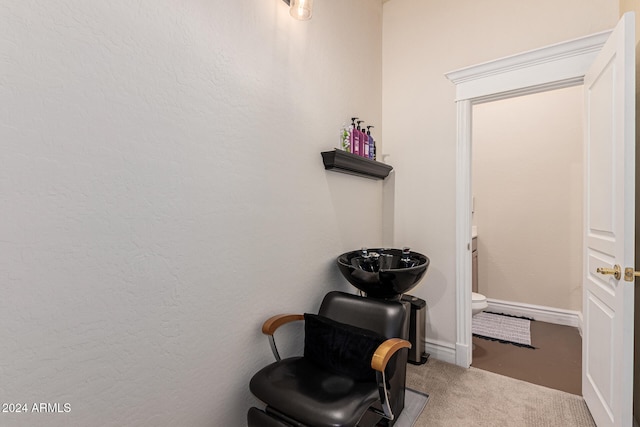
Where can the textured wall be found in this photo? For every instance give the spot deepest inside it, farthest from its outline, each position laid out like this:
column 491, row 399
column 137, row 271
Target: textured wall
column 162, row 193
column 528, row 189
column 422, row 41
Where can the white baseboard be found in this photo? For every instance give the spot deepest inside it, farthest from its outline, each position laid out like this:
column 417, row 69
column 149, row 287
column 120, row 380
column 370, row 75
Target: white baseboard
column 441, row 351
column 557, row 316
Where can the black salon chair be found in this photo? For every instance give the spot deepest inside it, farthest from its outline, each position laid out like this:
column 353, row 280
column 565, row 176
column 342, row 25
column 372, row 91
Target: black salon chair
column 352, row 373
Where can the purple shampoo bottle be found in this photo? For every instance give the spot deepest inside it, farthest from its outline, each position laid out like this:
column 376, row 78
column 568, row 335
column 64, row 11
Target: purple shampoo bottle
column 372, row 144
column 351, row 135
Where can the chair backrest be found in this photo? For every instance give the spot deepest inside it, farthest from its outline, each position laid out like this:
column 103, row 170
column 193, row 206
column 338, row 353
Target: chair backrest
column 388, row 318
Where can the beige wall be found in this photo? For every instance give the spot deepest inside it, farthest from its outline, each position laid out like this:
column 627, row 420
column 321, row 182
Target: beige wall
column 163, row 194
column 527, row 186
column 422, row 40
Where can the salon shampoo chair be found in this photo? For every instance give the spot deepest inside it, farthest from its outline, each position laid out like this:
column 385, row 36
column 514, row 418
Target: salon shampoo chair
column 352, row 373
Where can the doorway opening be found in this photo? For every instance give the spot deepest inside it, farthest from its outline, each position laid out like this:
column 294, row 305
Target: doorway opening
column 527, row 211
column 553, row 67
column 605, row 64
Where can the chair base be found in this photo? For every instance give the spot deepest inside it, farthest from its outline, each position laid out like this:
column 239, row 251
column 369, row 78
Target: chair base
column 258, row 418
column 271, row 418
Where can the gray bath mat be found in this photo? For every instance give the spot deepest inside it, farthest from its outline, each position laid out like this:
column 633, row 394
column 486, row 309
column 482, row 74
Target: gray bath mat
column 502, row 328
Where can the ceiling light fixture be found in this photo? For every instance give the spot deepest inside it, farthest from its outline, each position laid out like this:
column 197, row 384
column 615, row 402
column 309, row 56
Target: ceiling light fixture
column 300, row 9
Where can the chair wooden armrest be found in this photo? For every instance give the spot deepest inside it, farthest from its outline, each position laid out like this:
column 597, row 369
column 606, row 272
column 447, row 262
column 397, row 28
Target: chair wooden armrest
column 269, row 328
column 385, row 350
column 271, row 324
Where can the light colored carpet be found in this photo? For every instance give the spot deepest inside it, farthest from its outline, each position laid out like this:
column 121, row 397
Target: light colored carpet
column 473, row 397
column 502, row 328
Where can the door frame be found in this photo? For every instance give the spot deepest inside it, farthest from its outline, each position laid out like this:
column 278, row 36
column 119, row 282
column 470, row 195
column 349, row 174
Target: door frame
column 552, row 67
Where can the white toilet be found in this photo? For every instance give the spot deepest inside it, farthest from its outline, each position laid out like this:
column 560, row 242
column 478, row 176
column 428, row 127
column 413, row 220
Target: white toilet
column 478, row 303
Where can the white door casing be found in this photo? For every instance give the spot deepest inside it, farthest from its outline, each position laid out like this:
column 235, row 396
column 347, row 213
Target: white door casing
column 607, row 351
column 553, row 67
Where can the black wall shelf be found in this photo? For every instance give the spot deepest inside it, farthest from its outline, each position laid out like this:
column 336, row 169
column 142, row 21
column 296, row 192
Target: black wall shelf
column 341, row 161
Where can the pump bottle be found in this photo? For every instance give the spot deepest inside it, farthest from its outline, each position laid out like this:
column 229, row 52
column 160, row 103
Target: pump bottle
column 372, row 144
column 345, row 144
column 361, row 136
column 365, row 143
column 355, row 137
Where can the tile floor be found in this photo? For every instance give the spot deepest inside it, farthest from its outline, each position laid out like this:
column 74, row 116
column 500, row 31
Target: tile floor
column 555, row 363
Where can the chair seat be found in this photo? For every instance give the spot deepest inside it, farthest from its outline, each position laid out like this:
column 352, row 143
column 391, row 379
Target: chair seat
column 312, row 395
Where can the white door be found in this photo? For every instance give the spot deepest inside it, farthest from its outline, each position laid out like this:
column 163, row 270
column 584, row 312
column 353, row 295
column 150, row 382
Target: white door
column 607, row 345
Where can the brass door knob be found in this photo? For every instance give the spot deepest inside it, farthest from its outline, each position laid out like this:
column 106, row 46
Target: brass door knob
column 616, row 271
